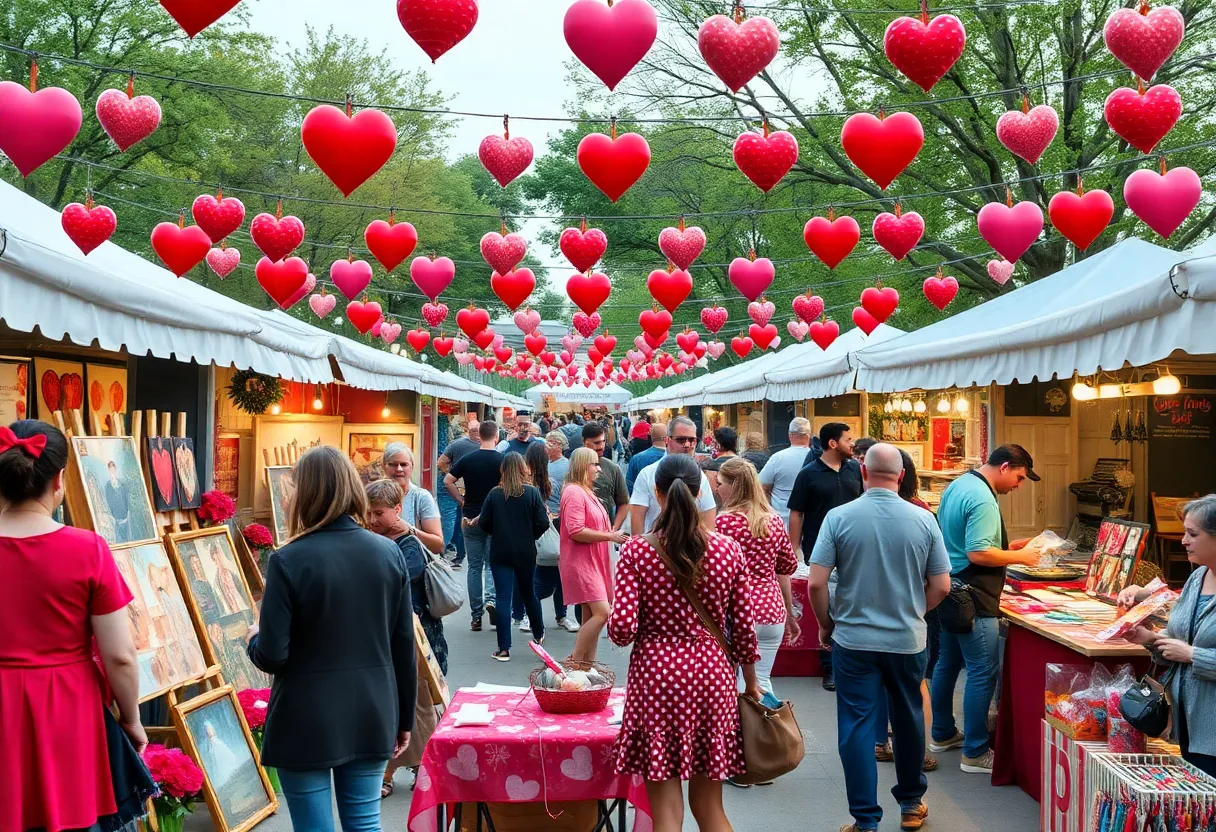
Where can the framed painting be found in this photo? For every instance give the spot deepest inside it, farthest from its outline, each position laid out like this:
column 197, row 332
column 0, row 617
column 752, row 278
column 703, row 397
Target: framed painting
column 107, row 393
column 60, row 386
column 161, row 472
column 271, row 432
column 214, row 733
column 365, row 444
column 1120, row 545
column 227, row 464
column 113, row 486
column 166, row 641
column 249, row 561
column 14, row 390
column 189, row 495
column 282, row 489
column 223, row 606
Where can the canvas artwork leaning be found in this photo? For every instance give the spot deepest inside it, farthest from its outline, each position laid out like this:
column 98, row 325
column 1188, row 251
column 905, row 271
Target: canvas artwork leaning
column 282, row 487
column 164, row 480
column 114, row 487
column 189, row 495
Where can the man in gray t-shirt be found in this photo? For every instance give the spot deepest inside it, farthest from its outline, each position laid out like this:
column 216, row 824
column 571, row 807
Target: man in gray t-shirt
column 453, row 534
column 892, row 568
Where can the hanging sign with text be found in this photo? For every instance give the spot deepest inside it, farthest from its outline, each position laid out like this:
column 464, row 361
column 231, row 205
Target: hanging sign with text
column 1184, row 416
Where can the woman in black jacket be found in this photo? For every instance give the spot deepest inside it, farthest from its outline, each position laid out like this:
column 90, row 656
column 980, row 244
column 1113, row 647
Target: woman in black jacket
column 337, row 631
column 514, row 517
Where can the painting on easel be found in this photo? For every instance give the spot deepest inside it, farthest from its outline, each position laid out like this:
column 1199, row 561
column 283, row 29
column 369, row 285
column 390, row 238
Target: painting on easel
column 160, row 465
column 282, row 489
column 114, row 488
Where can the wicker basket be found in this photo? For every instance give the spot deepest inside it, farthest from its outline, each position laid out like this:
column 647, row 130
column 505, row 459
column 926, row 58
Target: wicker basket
column 574, row 701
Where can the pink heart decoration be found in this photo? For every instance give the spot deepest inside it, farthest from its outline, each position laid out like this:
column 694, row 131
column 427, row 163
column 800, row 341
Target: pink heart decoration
column 223, row 261
column 503, row 252
column 276, row 238
column 939, row 291
column 127, row 119
column 432, row 276
column 751, row 277
column 1000, row 271
column 322, row 305
column 761, row 311
column 496, row 339
column 738, row 52
column 643, row 346
column 390, row 332
column 1163, row 202
column 583, row 247
column 714, row 318
column 808, row 307
column 571, row 341
column 505, row 158
column 34, row 126
column 824, row 333
column 434, row 314
column 898, row 233
column 682, row 246
column 218, row 216
column 528, row 321
column 437, row 25
column 586, row 324
column 688, row 358
column 765, row 158
column 1143, row 42
column 459, row 345
column 1010, row 230
column 351, row 277
column 1143, row 120
column 635, row 357
column 797, row 329
column 88, row 226
column 715, row 349
column 464, row 358
column 1027, row 135
column 923, row 52
column 610, row 40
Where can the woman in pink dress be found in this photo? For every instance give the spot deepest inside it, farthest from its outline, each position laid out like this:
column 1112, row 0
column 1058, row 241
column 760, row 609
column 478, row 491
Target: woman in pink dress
column 585, row 565
column 681, row 718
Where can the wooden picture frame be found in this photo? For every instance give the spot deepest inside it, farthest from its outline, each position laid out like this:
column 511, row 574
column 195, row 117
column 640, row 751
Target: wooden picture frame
column 271, row 432
column 163, row 472
column 365, row 443
column 249, row 561
column 213, row 731
column 429, row 666
column 91, row 487
column 106, row 386
column 221, row 604
column 15, row 388
column 280, row 486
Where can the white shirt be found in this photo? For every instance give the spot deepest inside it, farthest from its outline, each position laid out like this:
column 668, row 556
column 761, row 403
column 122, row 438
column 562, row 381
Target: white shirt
column 780, row 472
column 643, row 495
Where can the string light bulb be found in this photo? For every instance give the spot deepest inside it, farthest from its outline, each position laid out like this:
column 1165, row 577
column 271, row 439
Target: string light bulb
column 905, row 406
column 385, row 412
column 276, row 409
column 317, row 404
column 943, row 405
column 961, row 405
column 1167, row 385
column 919, row 406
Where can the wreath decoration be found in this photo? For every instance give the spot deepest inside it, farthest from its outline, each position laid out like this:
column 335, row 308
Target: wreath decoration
column 253, row 392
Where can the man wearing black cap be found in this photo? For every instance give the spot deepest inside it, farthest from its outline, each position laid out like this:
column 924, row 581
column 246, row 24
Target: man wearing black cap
column 979, row 550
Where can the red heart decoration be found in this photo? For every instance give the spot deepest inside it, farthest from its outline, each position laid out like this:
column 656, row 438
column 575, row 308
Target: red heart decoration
column 682, row 246
column 73, row 390
column 352, row 277
column 503, row 354
column 390, row 242
column 613, row 165
column 762, row 336
column 1163, row 202
column 437, row 25
column 276, row 238
column 824, row 333
column 656, row 340
column 473, row 321
column 479, row 363
column 546, row 358
column 282, row 280
column 751, row 277
column 223, row 261
column 310, row 283
column 605, row 343
column 655, row 324
column 1027, row 134
column 586, row 324
column 52, row 389
column 882, row 148
column 513, row 288
column 898, row 234
column 434, row 313
column 831, row 240
column 363, row 316
column 588, row 291
column 117, row 396
column 88, row 226
column 742, row 346
column 503, row 252
column 714, row 318
column 1143, row 120
column 1010, row 230
column 348, row 149
column 1081, row 219
column 34, row 126
column 180, row 249
column 432, row 276
column 1143, row 42
column 880, row 303
column 738, row 52
column 666, row 361
column 162, row 472
column 196, row 15
column 127, row 119
column 505, row 158
column 687, row 341
column 923, row 52
column 808, row 307
column 670, row 289
column 765, row 159
column 418, row 339
column 939, row 291
column 443, row 347
column 864, row 320
column 217, row 216
column 594, row 356
column 536, row 343
column 610, row 40
column 583, row 247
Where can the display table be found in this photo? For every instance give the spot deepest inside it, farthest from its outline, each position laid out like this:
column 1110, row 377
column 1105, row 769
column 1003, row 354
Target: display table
column 802, row 657
column 524, row 756
column 1031, row 645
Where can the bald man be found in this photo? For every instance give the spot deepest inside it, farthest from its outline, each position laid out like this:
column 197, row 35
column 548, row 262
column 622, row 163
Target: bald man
column 892, row 568
column 656, row 451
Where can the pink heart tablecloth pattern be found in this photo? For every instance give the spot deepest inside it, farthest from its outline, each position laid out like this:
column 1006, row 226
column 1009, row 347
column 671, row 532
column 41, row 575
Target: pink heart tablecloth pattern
column 524, row 756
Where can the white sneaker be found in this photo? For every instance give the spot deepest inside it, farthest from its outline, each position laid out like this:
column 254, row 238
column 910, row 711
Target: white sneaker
column 568, row 625
column 525, row 626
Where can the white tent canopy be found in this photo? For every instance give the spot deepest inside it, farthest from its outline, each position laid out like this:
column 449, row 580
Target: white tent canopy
column 678, row 394
column 1125, row 305
column 593, row 395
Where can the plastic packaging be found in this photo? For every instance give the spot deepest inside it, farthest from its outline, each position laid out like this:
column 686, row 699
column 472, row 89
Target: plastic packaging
column 1051, row 548
column 1159, row 597
column 1076, row 700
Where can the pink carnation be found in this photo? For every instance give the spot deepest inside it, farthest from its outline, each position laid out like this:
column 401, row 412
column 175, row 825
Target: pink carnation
column 173, row 771
column 254, row 703
column 258, row 535
column 216, row 507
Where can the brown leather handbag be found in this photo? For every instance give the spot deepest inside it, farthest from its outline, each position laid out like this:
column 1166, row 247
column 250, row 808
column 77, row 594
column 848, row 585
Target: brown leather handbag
column 772, row 740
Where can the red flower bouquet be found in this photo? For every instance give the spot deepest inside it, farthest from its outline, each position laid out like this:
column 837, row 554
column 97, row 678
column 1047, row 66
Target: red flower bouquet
column 254, row 704
column 258, row 535
column 180, row 781
column 216, row 507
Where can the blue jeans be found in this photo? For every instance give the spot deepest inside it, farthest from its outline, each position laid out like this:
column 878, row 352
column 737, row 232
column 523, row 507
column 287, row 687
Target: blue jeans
column 979, row 652
column 453, row 534
column 548, row 581
column 864, row 679
column 310, row 797
column 477, row 544
column 516, row 582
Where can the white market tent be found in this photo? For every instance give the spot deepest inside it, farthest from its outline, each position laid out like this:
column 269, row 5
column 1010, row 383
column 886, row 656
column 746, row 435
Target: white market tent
column 678, row 394
column 593, row 395
column 1127, row 304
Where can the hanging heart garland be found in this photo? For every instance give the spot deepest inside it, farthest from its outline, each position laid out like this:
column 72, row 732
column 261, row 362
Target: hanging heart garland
column 418, row 339
column 808, row 307
column 765, row 158
column 655, row 323
column 322, row 303
column 276, row 236
column 589, row 290
column 434, row 314
column 924, row 50
column 681, row 245
column 669, row 288
column 751, row 276
column 1163, row 200
column 179, row 246
column 513, row 288
column 882, row 147
column 196, row 15
column 432, row 275
column 127, row 118
column 898, row 233
column 223, row 260
column 504, row 157
column 940, row 289
column 503, row 251
column 742, row 345
column 738, row 50
column 761, row 311
column 88, row 225
column 1081, row 217
column 714, row 318
column 831, row 239
column 535, row 343
column 1143, row 40
column 351, row 276
column 473, row 321
column 443, row 346
column 1000, row 271
column 610, row 40
column 527, row 320
column 1026, row 133
column 36, row 124
column 282, row 280
column 823, row 333
column 1140, row 117
column 437, row 25
column 797, row 329
column 880, row 302
column 217, row 215
column 363, row 316
column 1010, row 228
column 348, row 147
column 390, row 242
column 583, row 246
column 613, row 163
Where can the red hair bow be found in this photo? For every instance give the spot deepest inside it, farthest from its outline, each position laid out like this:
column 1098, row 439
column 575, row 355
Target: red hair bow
column 32, row 445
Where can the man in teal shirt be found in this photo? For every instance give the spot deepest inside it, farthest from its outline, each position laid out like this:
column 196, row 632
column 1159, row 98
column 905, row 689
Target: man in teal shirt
column 979, row 550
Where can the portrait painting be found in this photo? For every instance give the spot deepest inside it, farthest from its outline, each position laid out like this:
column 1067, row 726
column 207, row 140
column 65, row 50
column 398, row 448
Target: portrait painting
column 227, row 465
column 165, row 639
column 60, row 386
column 189, row 495
column 365, row 445
column 164, row 478
column 114, row 489
column 14, row 390
column 217, row 738
column 282, row 489
column 107, row 393
column 210, row 573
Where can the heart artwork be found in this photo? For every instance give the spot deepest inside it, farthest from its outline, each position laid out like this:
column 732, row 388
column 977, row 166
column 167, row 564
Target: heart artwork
column 117, row 396
column 437, row 25
column 363, row 316
column 714, row 318
column 282, row 280
column 682, row 246
column 1010, row 230
column 276, row 237
column 127, row 119
column 180, row 249
column 223, row 261
column 588, row 291
column 184, row 467
column 882, row 147
column 322, row 305
column 610, row 39
column 521, row 790
column 88, row 226
column 898, row 233
column 1081, row 218
column 823, row 333
column 879, row 303
column 432, row 276
column 613, row 164
column 670, row 289
column 939, row 290
column 390, row 242
column 738, row 51
column 348, row 148
column 513, row 288
column 583, row 247
column 1163, row 202
column 34, row 126
column 52, row 389
column 924, row 50
column 162, row 472
column 503, row 252
column 1027, row 134
column 765, row 158
column 831, row 239
column 351, row 276
column 73, row 391
column 464, row 764
column 1142, row 119
column 808, row 307
column 218, row 216
column 751, row 277
column 505, row 158
column 1142, row 39
column 196, row 15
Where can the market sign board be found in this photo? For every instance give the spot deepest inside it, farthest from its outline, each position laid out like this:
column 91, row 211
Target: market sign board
column 1184, row 416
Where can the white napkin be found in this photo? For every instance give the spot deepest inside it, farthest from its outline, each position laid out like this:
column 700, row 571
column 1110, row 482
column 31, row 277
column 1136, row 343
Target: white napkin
column 474, row 713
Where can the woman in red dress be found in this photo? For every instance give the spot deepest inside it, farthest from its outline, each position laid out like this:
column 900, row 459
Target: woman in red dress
column 59, row 588
column 681, row 718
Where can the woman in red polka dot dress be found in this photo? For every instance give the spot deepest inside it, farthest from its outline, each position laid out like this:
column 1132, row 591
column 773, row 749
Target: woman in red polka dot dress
column 681, row 718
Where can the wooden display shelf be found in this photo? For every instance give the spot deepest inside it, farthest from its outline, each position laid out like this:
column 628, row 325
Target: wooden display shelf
column 1088, row 647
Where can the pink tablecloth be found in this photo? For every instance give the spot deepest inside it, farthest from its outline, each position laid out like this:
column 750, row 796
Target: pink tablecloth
column 524, row 756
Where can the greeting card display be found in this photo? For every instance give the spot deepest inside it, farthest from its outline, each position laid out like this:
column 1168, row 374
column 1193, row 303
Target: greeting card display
column 1115, row 558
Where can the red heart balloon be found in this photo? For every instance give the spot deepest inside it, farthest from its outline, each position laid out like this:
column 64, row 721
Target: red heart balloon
column 687, row 341
column 196, row 15
column 765, row 159
column 1142, row 120
column 443, row 346
column 1010, row 230
column 513, row 288
column 610, row 40
column 505, row 158
column 923, row 52
column 1027, row 135
column 352, row 277
column 536, row 343
column 594, row 356
column 882, row 148
column 473, row 321
column 613, row 165
column 276, row 238
column 127, row 119
column 670, row 289
column 432, row 276
column 503, row 252
column 656, row 339
column 655, row 324
column 824, row 333
column 831, row 240
column 682, row 246
column 583, row 247
column 503, row 354
column 34, row 126
column 88, row 226
column 217, row 216
column 348, row 149
column 418, row 339
column 1143, row 42
column 390, row 242
column 738, row 52
column 898, row 234
column 437, row 25
column 588, row 291
column 751, row 277
column 547, row 358
column 180, row 249
column 808, row 307
column 742, row 346
column 363, row 316
column 939, row 291
column 1081, row 219
column 282, row 280
column 310, row 283
column 880, row 303
column 484, row 339
column 762, row 336
column 714, row 318
column 1163, row 202
column 605, row 343
column 864, row 320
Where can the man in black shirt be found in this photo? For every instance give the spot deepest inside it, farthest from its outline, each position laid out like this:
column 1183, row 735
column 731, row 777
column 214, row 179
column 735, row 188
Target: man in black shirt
column 480, row 471
column 830, row 481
